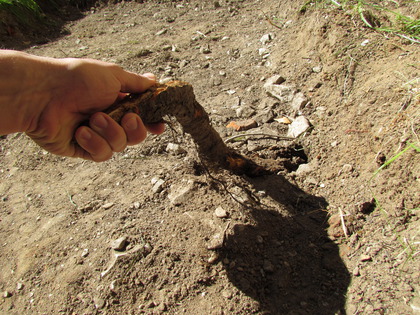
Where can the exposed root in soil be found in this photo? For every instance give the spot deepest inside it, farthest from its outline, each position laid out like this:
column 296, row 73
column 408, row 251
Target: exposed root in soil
column 176, row 98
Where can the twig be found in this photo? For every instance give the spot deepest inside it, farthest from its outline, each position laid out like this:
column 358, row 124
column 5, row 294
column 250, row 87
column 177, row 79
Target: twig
column 224, row 186
column 224, row 233
column 405, row 104
column 227, row 140
column 343, row 225
column 270, row 21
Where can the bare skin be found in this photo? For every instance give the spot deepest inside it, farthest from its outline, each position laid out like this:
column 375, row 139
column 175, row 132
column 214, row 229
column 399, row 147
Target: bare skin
column 48, row 99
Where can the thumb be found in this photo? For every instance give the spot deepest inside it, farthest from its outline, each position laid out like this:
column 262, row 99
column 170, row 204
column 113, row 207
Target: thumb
column 135, row 83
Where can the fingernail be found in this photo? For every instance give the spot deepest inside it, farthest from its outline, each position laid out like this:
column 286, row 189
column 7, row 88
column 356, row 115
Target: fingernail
column 85, row 134
column 150, row 76
column 100, row 121
column 131, row 123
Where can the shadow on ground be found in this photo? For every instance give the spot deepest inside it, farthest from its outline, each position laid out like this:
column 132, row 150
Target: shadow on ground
column 19, row 31
column 287, row 263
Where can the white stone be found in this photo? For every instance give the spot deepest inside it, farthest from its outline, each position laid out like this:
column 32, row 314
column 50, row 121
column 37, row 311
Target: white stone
column 158, row 186
column 299, row 101
column 181, row 193
column 282, row 92
column 303, row 169
column 161, row 32
column 263, row 51
column 298, row 126
column 108, row 205
column 317, row 69
column 275, row 79
column 266, row 38
column 220, row 212
column 174, row 148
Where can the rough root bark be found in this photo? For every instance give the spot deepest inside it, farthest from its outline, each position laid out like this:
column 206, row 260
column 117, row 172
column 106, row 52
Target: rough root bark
column 176, row 98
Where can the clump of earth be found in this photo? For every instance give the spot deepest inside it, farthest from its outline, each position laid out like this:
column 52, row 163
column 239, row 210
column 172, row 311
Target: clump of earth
column 334, row 107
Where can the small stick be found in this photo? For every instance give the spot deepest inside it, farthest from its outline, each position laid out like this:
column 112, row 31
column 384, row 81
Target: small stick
column 343, row 225
column 230, row 139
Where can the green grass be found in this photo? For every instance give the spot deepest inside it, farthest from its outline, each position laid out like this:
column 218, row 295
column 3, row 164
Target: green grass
column 410, row 146
column 26, row 12
column 30, row 13
column 375, row 16
column 410, row 248
column 395, row 157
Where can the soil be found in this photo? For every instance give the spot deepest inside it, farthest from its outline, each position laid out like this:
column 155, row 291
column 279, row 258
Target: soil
column 329, row 232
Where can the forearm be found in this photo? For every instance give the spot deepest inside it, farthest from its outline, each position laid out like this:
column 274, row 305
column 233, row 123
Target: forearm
column 24, row 81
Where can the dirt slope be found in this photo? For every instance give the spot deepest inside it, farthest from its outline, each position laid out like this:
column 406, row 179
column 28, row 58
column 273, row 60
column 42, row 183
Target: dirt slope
column 322, row 235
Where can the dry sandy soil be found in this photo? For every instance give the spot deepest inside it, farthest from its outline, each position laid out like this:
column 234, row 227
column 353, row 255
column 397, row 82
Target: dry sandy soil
column 323, row 234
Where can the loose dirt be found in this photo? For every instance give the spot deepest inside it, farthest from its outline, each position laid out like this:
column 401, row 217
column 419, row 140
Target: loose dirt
column 327, row 233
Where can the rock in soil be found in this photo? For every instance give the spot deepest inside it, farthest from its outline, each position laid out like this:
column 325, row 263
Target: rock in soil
column 119, row 244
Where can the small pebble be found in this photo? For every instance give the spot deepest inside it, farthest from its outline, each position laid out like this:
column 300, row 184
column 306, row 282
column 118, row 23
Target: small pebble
column 261, row 193
column 365, row 258
column 119, row 244
column 299, row 101
column 174, row 148
column 162, row 307
column 298, row 126
column 220, row 212
column 183, row 63
column 242, row 125
column 268, row 266
column 205, row 50
column 262, row 51
column 304, row 169
column 147, row 248
column 158, row 186
column 347, row 168
column 266, row 38
column 7, row 294
column 213, row 258
column 317, row 69
column 216, row 242
column 356, row 272
column 108, row 205
column 99, row 303
column 85, row 253
column 161, row 32
column 227, row 294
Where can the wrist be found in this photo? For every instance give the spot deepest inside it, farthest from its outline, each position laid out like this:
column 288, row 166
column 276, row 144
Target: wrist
column 25, row 89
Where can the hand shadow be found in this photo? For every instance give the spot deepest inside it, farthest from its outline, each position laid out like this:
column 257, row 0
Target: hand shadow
column 285, row 261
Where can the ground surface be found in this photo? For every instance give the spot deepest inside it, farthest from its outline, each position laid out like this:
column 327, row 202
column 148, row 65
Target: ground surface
column 283, row 248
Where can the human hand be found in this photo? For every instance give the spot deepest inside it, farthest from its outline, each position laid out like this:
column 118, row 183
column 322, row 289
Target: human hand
column 83, row 88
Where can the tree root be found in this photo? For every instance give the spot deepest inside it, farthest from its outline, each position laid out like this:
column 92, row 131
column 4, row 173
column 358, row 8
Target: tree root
column 176, row 98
